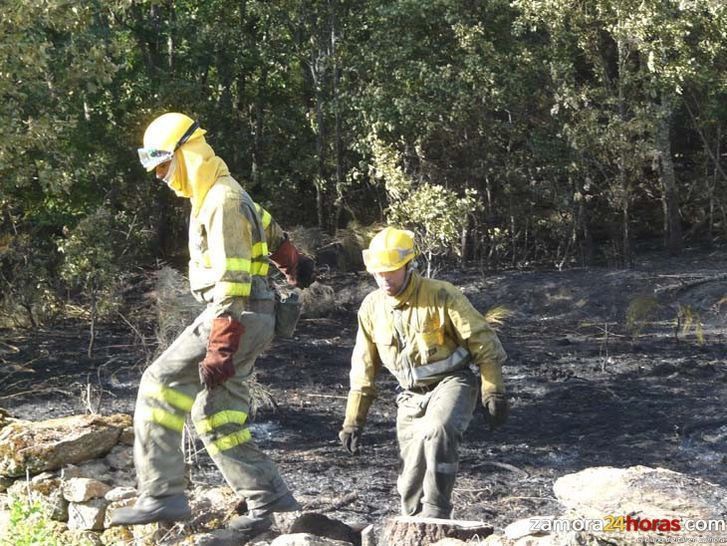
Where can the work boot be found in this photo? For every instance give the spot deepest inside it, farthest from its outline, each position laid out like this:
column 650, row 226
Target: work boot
column 260, row 519
column 152, row 510
column 431, row 511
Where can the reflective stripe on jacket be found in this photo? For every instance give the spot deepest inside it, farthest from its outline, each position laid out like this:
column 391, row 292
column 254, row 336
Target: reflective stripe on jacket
column 428, row 331
column 229, row 242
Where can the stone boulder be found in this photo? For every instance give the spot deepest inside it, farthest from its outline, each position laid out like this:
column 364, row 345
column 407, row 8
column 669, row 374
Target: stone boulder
column 35, row 447
column 640, row 490
column 47, row 489
column 84, row 489
column 87, row 516
column 306, row 539
column 634, row 506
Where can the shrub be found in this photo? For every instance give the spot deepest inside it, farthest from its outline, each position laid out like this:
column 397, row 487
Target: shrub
column 437, row 214
column 30, row 525
column 97, row 256
column 28, row 294
column 640, row 312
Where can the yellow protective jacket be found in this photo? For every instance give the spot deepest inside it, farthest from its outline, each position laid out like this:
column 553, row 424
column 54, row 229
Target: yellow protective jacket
column 229, row 240
column 426, row 332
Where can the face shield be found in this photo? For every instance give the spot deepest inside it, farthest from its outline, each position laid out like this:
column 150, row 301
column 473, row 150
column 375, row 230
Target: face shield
column 151, row 158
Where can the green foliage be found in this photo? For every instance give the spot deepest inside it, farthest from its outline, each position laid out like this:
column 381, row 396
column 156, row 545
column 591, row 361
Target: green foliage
column 30, row 525
column 524, row 131
column 438, row 215
column 29, row 291
column 97, row 254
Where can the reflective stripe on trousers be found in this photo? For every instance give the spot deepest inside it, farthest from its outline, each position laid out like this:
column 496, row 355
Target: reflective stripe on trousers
column 170, row 390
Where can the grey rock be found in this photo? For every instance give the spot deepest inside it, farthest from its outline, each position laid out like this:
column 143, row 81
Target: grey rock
column 526, row 527
column 305, row 539
column 120, row 493
column 87, row 515
column 120, row 457
column 36, row 447
column 127, row 436
column 221, row 537
column 84, row 489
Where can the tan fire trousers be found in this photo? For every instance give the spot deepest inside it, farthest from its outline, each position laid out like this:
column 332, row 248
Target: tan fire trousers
column 171, row 388
column 429, row 429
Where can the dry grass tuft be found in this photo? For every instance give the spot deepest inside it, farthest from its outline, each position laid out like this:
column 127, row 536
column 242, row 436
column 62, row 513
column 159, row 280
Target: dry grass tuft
column 640, row 313
column 496, row 316
column 319, row 300
column 177, row 309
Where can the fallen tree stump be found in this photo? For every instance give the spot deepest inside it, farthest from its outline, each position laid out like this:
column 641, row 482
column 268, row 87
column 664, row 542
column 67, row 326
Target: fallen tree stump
column 415, row 531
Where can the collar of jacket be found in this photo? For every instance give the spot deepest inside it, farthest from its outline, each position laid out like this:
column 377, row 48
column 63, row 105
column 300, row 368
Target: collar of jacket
column 406, row 295
column 197, row 171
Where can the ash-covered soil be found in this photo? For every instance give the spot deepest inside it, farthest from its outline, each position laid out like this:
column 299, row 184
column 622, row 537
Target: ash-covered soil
column 585, row 390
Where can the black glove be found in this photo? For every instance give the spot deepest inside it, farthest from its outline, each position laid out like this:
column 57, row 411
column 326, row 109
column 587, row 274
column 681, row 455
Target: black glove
column 351, row 439
column 497, row 409
column 306, row 271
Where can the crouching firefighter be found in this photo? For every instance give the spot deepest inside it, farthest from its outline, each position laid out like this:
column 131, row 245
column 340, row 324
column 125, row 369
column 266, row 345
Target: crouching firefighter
column 426, row 333
column 205, row 370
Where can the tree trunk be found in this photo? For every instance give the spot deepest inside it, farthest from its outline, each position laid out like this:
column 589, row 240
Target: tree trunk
column 670, row 198
column 257, row 122
column 463, row 245
column 94, row 312
column 170, row 37
column 711, row 190
column 513, row 240
column 415, row 531
column 337, row 122
column 315, row 63
column 624, row 184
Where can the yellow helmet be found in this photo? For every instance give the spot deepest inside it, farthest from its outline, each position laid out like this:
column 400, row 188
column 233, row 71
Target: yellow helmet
column 164, row 136
column 389, row 250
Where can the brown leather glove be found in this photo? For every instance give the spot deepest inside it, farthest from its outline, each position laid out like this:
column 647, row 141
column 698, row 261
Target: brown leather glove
column 351, row 439
column 299, row 269
column 218, row 366
column 497, row 409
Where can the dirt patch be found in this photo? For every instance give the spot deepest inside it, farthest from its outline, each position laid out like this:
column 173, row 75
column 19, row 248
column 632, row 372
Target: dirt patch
column 584, row 391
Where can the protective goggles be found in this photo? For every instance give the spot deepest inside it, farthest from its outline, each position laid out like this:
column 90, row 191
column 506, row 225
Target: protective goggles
column 151, row 158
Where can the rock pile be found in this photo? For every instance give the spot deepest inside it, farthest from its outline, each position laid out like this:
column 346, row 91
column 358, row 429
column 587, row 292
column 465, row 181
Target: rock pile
column 80, row 469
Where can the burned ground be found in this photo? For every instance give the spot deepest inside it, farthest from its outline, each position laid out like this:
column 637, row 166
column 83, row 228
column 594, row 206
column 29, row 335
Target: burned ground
column 585, row 389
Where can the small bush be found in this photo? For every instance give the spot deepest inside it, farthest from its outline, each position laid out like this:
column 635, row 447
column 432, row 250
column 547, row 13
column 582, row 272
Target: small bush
column 176, row 308
column 28, row 291
column 30, row 525
column 436, row 213
column 641, row 311
column 688, row 320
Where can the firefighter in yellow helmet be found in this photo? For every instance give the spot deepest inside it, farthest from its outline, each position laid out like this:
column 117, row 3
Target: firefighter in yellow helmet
column 427, row 334
column 204, row 371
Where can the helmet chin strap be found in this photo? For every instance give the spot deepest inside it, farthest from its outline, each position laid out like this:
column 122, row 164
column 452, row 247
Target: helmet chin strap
column 409, row 270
